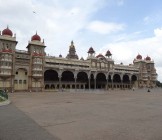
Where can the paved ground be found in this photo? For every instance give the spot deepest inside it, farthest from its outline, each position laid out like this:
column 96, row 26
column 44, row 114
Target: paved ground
column 112, row 115
column 15, row 125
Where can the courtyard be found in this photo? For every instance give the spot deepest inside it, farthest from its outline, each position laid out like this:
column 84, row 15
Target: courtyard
column 95, row 115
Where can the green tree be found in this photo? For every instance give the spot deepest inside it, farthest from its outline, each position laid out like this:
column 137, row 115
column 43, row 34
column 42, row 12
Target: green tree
column 158, row 83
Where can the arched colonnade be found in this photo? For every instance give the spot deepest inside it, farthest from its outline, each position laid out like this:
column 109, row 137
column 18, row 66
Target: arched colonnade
column 67, row 79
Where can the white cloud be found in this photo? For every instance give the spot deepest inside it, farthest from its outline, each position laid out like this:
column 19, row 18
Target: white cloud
column 126, row 51
column 57, row 21
column 105, row 27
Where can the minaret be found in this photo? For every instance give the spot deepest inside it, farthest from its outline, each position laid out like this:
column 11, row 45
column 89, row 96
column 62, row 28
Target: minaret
column 36, row 49
column 72, row 52
column 7, row 58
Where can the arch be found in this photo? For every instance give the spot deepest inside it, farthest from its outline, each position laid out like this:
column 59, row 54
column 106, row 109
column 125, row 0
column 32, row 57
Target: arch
column 134, row 78
column 82, row 77
column 67, row 76
column 116, row 78
column 92, row 86
column 126, row 79
column 17, row 69
column 51, row 75
column 46, row 86
column 100, row 81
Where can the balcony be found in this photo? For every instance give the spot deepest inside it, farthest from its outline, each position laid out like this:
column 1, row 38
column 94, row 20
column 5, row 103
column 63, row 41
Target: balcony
column 37, row 69
column 5, row 74
column 5, row 67
column 37, row 75
column 40, row 63
column 6, row 60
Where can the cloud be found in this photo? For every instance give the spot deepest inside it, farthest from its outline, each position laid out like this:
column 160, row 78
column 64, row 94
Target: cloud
column 105, row 27
column 126, row 51
column 57, row 21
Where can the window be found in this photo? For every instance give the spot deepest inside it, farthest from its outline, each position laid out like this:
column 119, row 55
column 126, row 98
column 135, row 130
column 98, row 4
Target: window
column 20, row 81
column 24, row 82
column 15, row 81
column 17, row 73
column 25, row 73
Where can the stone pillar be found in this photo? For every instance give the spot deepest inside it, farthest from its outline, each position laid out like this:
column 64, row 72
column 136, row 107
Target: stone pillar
column 95, row 76
column 12, row 83
column 30, row 83
column 75, row 81
column 121, row 77
column 107, row 87
column 112, row 83
column 94, row 83
column 60, row 85
column 122, row 84
column 89, row 83
column 130, row 81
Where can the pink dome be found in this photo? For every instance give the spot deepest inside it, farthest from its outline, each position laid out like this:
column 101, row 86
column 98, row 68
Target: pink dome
column 148, row 58
column 36, row 37
column 139, row 56
column 7, row 31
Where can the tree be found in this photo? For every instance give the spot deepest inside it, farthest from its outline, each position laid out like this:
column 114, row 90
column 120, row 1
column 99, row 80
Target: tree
column 158, row 83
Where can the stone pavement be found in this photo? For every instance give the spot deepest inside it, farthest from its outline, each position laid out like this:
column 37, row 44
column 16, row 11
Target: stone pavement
column 5, row 102
column 96, row 115
column 15, row 125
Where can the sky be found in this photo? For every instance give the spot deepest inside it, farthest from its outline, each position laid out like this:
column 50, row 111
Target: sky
column 125, row 27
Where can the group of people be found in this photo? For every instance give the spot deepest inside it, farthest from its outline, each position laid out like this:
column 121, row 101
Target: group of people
column 147, row 90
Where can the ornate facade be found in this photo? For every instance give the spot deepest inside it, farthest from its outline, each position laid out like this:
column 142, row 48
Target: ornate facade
column 33, row 70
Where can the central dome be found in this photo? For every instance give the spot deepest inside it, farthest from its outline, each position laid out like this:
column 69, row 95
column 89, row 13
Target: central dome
column 36, row 37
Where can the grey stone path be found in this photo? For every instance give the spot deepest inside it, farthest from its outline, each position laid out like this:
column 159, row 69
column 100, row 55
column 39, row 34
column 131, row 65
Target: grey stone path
column 15, row 125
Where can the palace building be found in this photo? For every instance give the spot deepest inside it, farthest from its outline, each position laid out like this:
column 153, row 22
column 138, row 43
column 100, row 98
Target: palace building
column 33, row 70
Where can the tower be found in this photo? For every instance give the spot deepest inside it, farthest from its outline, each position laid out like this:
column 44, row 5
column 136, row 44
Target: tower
column 7, row 59
column 37, row 59
column 72, row 52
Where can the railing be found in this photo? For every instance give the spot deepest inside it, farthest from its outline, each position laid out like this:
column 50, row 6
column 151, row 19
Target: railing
column 22, row 51
column 5, row 73
column 6, row 67
column 9, row 60
column 70, row 67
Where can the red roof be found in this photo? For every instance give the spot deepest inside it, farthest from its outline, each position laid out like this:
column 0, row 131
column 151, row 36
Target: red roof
column 108, row 53
column 148, row 58
column 7, row 31
column 36, row 38
column 139, row 56
column 91, row 50
column 100, row 55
